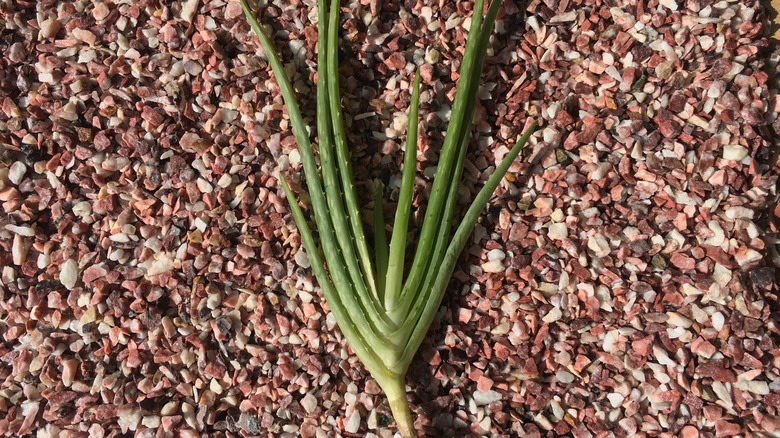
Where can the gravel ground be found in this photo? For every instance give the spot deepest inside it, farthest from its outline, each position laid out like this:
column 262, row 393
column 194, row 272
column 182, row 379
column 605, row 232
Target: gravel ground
column 621, row 283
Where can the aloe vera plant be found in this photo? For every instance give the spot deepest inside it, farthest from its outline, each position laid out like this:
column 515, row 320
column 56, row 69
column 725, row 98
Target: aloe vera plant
column 383, row 313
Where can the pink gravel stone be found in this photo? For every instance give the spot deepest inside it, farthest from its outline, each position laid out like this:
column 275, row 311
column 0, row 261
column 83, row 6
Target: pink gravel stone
column 396, row 61
column 101, row 11
column 683, row 262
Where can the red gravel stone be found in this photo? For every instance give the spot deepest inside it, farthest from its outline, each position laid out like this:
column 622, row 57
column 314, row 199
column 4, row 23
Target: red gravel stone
column 683, row 262
column 717, row 371
column 396, row 61
column 724, row 428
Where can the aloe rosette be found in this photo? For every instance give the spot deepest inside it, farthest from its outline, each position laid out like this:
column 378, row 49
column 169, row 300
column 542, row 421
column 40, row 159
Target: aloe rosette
column 383, row 313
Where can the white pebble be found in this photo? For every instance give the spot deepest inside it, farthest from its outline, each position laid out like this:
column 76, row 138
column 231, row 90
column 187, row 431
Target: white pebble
column 675, row 333
column 610, row 343
column 557, row 410
column 675, row 319
column 294, row 157
column 69, row 273
column 599, row 245
column 200, row 224
column 432, row 57
column 283, row 162
column 699, row 315
column 354, row 422
column 152, row 421
column 496, row 254
column 601, row 171
column 493, row 266
column 558, row 231
column 748, row 257
column 662, row 356
column 168, row 409
column 372, row 422
column 215, row 387
column 482, row 398
column 204, row 186
column 163, row 261
column 82, row 209
column 553, row 315
column 669, row 4
column 615, row 399
column 755, row 386
column 69, row 112
column 47, row 78
column 706, row 42
column 613, row 71
column 564, row 376
column 177, row 69
column 224, row 181
column 188, row 10
column 738, row 212
column 50, row 27
column 16, row 172
column 309, row 403
column 193, row 68
column 302, row 260
column 189, row 414
column 43, row 260
column 721, row 274
column 734, row 152
column 723, row 393
column 717, row 321
column 719, row 237
column 21, row 230
column 129, row 417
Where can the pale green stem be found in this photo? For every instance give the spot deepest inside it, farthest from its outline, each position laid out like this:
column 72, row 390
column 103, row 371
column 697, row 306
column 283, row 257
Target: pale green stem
column 395, row 389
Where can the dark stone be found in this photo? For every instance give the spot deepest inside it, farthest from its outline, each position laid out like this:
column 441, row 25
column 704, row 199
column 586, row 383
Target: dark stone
column 249, row 423
column 763, row 278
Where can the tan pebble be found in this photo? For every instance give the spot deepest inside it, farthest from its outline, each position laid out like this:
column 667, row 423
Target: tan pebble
column 69, row 368
column 189, row 414
column 50, row 27
column 19, row 250
column 493, row 266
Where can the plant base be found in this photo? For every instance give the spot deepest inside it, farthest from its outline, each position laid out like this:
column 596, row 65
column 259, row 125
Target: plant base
column 395, row 389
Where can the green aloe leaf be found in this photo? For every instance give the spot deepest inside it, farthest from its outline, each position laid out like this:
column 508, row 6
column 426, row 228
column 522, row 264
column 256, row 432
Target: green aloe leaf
column 383, row 315
column 380, row 241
